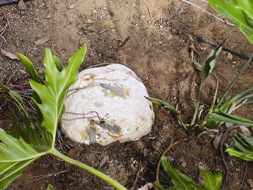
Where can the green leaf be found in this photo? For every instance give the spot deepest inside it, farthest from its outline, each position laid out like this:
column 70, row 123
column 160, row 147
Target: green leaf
column 58, row 63
column 238, row 154
column 15, row 155
column 219, row 116
column 242, row 147
column 18, row 102
column 170, row 108
column 52, row 94
column 241, row 12
column 212, row 182
column 209, row 63
column 50, row 187
column 247, row 64
column 241, row 96
column 30, row 144
column 30, row 68
column 26, row 131
column 246, row 139
column 182, row 182
column 206, row 70
column 179, row 180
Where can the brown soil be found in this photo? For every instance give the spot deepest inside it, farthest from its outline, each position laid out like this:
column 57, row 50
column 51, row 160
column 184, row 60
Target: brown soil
column 160, row 34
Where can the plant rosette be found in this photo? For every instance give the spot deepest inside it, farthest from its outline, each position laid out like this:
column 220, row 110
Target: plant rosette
column 107, row 104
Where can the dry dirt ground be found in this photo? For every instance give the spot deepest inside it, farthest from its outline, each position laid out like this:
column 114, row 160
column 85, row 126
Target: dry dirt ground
column 153, row 38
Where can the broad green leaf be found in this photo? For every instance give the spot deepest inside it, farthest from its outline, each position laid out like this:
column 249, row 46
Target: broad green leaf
column 15, row 155
column 30, row 144
column 179, row 180
column 241, row 12
column 209, row 63
column 182, row 182
column 52, row 94
column 30, row 68
column 170, row 108
column 212, row 182
column 58, row 63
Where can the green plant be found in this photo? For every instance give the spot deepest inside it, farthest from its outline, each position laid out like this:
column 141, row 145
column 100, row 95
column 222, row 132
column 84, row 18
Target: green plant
column 220, row 111
column 50, row 187
column 241, row 12
column 30, row 140
column 182, row 182
column 205, row 71
column 243, row 147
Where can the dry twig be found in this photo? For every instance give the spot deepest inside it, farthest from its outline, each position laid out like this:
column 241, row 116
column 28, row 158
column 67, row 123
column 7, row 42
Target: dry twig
column 4, row 23
column 164, row 153
column 137, row 176
column 244, row 176
column 207, row 12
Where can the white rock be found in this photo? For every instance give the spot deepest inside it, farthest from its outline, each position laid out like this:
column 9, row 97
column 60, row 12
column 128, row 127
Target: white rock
column 107, row 104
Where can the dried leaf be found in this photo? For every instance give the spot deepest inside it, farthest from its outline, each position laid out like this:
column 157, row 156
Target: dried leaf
column 250, row 182
column 146, row 187
column 42, row 40
column 9, row 55
column 21, row 5
column 217, row 140
column 245, row 130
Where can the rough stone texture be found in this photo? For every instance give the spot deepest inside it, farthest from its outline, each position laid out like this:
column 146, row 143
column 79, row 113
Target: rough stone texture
column 107, row 104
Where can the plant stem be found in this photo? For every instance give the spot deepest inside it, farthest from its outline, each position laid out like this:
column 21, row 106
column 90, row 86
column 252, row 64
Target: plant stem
column 197, row 104
column 215, row 94
column 89, row 169
column 203, row 123
column 234, row 81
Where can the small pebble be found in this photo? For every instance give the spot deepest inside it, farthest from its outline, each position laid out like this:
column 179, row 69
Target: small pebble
column 21, row 6
column 71, row 6
column 229, row 56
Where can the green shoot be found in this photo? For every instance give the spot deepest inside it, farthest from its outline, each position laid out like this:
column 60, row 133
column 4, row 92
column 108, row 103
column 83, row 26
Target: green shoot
column 218, row 112
column 170, row 108
column 181, row 181
column 206, row 70
column 232, row 84
column 243, row 147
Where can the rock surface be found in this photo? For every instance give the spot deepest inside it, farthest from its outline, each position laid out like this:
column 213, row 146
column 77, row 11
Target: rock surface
column 107, row 104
